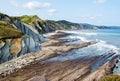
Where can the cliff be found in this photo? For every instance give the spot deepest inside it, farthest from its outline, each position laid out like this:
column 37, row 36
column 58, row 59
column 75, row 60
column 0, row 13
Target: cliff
column 66, row 25
column 18, row 38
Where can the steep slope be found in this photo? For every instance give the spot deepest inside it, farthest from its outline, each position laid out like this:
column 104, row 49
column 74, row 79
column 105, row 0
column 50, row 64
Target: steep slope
column 63, row 25
column 17, row 38
column 30, row 19
column 66, row 25
column 8, row 31
column 36, row 22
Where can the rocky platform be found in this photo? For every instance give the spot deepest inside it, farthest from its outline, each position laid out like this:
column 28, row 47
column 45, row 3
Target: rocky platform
column 37, row 67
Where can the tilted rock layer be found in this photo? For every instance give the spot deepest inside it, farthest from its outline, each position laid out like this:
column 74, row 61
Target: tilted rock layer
column 18, row 38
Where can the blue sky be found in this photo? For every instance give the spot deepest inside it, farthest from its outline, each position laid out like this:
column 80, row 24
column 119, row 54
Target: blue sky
column 98, row 12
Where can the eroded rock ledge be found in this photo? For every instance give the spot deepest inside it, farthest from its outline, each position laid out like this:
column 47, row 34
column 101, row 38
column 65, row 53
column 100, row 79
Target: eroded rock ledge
column 30, row 67
column 71, row 70
column 22, row 61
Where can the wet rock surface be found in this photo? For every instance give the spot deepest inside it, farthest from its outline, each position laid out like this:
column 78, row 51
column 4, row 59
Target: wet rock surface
column 33, row 66
column 38, row 78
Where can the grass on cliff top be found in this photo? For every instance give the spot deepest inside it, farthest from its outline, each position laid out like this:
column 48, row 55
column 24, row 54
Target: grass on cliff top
column 8, row 31
column 30, row 19
column 111, row 78
column 60, row 25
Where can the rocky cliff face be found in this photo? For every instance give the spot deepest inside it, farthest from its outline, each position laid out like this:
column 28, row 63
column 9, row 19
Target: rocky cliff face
column 13, row 45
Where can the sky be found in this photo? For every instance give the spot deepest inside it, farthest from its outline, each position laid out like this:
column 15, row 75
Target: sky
column 97, row 12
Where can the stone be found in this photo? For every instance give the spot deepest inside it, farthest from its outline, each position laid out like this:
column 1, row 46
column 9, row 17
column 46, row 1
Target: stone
column 38, row 78
column 15, row 47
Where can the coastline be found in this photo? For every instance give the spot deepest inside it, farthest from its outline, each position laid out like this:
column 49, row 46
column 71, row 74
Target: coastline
column 28, row 66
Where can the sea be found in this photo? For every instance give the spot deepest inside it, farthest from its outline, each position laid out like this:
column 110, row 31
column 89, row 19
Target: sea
column 107, row 36
column 108, row 41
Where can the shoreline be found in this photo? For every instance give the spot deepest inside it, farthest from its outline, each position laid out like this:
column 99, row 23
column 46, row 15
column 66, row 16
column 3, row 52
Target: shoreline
column 24, row 68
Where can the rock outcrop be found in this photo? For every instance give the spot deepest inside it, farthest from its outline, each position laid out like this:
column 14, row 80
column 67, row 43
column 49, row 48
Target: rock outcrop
column 50, row 51
column 70, row 70
column 38, row 78
column 45, row 64
column 19, row 38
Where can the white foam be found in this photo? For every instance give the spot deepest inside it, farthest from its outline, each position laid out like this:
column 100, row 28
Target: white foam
column 92, row 50
column 49, row 34
column 88, row 34
column 79, row 37
column 104, row 44
column 100, row 48
column 74, row 32
column 101, row 45
column 82, row 33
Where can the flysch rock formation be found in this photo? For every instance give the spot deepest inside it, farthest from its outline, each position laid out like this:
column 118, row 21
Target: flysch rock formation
column 71, row 70
column 22, row 61
column 29, row 42
column 38, row 78
column 32, row 66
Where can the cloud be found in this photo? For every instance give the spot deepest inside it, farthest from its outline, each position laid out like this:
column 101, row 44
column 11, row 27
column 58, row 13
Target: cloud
column 99, row 1
column 36, row 5
column 52, row 11
column 91, row 17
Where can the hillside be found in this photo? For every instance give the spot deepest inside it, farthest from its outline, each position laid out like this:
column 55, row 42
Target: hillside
column 8, row 31
column 63, row 25
column 66, row 25
column 34, row 21
column 29, row 19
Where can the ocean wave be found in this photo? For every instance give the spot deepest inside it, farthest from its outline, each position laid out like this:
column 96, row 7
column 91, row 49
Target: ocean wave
column 88, row 34
column 49, row 34
column 74, row 37
column 92, row 33
column 79, row 37
column 105, row 44
column 82, row 33
column 97, row 49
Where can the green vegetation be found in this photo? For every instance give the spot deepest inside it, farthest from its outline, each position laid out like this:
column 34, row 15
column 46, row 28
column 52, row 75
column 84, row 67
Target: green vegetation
column 63, row 25
column 54, row 24
column 30, row 19
column 25, row 19
column 8, row 31
column 111, row 78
